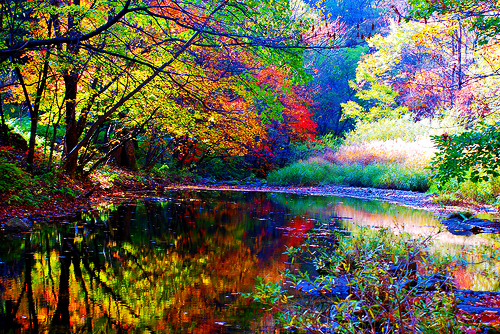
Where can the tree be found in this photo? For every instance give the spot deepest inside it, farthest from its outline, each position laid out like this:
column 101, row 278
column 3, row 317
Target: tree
column 293, row 103
column 472, row 154
column 107, row 54
column 480, row 16
column 420, row 68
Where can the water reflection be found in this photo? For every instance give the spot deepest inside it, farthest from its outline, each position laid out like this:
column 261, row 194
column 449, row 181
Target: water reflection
column 481, row 250
column 171, row 266
column 178, row 264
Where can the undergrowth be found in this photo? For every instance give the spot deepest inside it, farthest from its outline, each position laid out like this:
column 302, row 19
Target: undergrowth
column 457, row 193
column 389, row 280
column 378, row 175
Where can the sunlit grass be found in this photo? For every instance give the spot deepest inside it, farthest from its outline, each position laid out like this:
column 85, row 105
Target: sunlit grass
column 468, row 192
column 415, row 154
column 392, row 154
column 317, row 171
column 403, row 128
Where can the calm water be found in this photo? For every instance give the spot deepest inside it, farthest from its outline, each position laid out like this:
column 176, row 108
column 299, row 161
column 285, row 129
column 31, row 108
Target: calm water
column 179, row 264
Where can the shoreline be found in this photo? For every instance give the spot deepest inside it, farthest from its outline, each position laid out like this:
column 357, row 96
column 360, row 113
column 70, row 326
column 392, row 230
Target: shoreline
column 70, row 207
column 406, row 198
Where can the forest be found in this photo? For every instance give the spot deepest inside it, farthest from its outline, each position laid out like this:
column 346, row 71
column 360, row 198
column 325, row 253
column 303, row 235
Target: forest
column 388, row 94
column 108, row 107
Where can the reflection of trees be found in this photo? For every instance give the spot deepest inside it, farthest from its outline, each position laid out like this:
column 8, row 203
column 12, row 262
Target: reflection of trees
column 481, row 274
column 174, row 266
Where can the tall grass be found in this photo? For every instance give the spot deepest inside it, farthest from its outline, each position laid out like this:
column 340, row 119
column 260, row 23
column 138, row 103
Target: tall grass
column 317, row 171
column 388, row 153
column 416, row 153
column 457, row 193
column 401, row 128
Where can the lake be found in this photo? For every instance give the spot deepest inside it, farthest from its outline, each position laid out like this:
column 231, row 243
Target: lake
column 179, row 264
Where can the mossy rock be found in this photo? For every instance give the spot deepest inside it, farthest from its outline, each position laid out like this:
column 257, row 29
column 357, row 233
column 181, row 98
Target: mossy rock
column 15, row 140
column 16, row 225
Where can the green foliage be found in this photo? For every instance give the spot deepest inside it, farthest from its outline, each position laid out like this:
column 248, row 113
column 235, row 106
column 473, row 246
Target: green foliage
column 475, row 151
column 456, row 193
column 403, row 128
column 305, row 150
column 160, row 170
column 266, row 292
column 376, row 72
column 11, row 176
column 480, row 16
column 378, row 175
column 331, row 86
column 66, row 191
column 230, row 168
column 331, row 141
column 20, row 125
column 378, row 300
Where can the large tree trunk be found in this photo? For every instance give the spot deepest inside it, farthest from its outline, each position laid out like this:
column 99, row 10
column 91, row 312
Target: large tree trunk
column 125, row 154
column 72, row 131
column 3, row 126
column 70, row 77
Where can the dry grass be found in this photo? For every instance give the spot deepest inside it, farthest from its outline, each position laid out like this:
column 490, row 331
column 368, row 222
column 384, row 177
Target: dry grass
column 416, row 154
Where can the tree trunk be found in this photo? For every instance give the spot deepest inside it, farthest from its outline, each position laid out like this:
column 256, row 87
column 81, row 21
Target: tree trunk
column 70, row 77
column 72, row 133
column 3, row 129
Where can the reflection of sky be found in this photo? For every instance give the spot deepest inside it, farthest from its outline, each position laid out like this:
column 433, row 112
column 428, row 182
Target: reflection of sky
column 485, row 275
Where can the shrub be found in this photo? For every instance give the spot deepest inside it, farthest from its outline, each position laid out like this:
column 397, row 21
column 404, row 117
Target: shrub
column 11, row 177
column 229, row 168
column 332, row 141
column 455, row 192
column 379, row 298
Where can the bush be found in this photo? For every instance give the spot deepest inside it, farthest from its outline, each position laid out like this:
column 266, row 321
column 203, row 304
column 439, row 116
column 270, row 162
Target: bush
column 332, row 141
column 455, row 192
column 11, row 177
column 379, row 298
column 230, row 168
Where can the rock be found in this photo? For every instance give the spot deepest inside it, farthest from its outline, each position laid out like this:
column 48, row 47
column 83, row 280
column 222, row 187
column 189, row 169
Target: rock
column 470, row 226
column 325, row 286
column 480, row 303
column 403, row 269
column 17, row 141
column 434, row 282
column 16, row 224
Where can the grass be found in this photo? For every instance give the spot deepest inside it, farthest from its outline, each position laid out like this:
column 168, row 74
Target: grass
column 389, row 164
column 415, row 154
column 389, row 153
column 318, row 171
column 400, row 129
column 468, row 192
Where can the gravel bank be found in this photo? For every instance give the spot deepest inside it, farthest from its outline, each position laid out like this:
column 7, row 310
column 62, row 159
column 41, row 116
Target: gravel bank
column 401, row 197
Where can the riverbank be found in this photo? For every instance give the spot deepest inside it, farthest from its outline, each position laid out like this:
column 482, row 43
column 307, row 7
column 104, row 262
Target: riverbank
column 411, row 199
column 95, row 192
